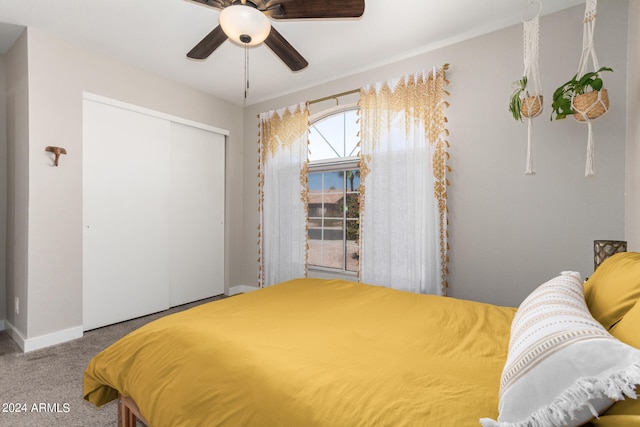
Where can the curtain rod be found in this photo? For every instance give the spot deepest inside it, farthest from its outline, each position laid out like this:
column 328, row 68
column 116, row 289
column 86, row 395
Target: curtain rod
column 336, row 96
column 445, row 67
column 326, row 98
column 349, row 92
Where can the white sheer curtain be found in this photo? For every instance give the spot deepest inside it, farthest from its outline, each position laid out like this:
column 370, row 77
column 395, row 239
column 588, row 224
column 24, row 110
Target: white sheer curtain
column 403, row 183
column 283, row 194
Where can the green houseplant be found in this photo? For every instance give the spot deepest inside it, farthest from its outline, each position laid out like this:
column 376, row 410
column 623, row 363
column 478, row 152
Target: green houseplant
column 581, row 95
column 521, row 103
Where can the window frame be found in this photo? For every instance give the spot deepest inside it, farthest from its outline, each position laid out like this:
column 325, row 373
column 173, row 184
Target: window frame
column 332, row 165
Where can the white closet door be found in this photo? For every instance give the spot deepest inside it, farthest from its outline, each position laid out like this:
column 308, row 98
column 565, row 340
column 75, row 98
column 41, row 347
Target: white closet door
column 196, row 214
column 126, row 215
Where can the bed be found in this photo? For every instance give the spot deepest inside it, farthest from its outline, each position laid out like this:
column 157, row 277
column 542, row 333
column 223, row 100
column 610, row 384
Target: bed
column 313, row 352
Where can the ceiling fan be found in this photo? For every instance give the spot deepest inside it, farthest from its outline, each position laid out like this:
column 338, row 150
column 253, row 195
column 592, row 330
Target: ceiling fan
column 246, row 22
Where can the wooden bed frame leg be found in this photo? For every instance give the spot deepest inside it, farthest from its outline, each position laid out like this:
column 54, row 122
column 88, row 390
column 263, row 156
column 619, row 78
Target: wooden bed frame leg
column 128, row 412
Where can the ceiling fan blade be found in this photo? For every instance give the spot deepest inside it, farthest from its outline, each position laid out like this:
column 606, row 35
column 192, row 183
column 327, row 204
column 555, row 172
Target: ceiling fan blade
column 208, row 44
column 301, row 9
column 285, row 51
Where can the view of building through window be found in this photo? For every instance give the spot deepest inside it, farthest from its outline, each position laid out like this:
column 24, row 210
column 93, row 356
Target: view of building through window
column 333, row 219
column 334, row 182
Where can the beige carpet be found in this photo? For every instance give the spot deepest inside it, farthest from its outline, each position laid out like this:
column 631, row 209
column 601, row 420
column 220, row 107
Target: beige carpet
column 46, row 385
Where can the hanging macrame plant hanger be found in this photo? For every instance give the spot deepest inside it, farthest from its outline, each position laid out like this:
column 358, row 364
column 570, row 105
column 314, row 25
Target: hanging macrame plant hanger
column 532, row 100
column 591, row 105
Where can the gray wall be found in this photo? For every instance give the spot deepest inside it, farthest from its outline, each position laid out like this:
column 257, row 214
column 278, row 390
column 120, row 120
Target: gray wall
column 3, row 189
column 509, row 232
column 17, row 181
column 45, row 214
column 632, row 198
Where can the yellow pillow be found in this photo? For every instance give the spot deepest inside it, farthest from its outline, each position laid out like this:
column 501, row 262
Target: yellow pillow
column 626, row 412
column 616, row 421
column 627, row 330
column 614, row 288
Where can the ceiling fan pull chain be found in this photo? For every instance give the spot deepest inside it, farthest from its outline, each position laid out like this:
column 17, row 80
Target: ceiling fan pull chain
column 246, row 71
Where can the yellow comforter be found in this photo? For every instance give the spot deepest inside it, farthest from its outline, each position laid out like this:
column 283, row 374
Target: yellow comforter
column 312, row 352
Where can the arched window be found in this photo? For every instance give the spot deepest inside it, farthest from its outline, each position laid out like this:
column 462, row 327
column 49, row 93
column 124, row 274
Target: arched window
column 334, row 134
column 334, row 181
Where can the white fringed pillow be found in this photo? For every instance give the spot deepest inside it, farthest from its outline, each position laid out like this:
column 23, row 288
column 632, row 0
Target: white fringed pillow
column 563, row 367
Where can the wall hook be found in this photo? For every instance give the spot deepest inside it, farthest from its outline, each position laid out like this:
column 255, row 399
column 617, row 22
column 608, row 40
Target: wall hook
column 57, row 151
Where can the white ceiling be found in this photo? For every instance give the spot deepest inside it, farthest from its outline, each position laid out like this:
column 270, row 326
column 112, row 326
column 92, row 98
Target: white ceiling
column 156, row 35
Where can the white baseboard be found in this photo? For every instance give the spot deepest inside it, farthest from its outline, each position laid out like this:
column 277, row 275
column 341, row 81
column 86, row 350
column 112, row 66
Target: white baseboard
column 15, row 334
column 241, row 289
column 42, row 341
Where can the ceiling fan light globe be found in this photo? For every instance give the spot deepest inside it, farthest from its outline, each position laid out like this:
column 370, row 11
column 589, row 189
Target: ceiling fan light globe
column 239, row 21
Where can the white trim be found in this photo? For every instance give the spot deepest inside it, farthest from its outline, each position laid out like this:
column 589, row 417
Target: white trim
column 335, row 164
column 2, row 325
column 42, row 341
column 132, row 107
column 241, row 289
column 15, row 334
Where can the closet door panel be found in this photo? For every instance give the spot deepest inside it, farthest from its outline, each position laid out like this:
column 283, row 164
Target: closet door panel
column 126, row 219
column 197, row 189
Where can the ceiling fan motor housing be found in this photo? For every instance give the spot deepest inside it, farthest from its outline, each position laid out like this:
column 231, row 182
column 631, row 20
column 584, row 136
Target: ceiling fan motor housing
column 244, row 24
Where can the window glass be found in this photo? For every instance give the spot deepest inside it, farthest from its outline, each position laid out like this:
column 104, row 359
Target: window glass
column 334, row 190
column 335, row 136
column 333, row 227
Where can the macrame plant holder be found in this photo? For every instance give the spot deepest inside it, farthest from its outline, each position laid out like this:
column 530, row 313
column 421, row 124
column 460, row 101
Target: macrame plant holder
column 532, row 99
column 591, row 105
